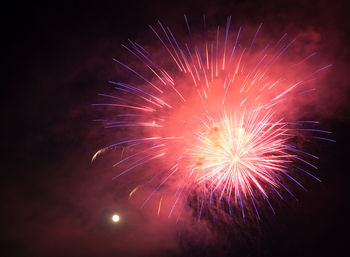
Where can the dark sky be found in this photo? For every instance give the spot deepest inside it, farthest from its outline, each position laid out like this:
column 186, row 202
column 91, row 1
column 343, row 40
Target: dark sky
column 57, row 57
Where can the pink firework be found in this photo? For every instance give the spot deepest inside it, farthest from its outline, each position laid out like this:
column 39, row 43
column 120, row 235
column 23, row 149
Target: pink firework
column 211, row 120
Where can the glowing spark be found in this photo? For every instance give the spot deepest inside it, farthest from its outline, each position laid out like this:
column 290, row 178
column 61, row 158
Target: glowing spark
column 101, row 151
column 159, row 206
column 134, row 190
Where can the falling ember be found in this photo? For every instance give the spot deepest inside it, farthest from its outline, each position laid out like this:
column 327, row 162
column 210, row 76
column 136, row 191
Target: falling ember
column 134, row 190
column 214, row 120
column 159, row 206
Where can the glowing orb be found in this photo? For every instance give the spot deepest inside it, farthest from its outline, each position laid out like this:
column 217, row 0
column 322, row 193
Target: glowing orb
column 115, row 218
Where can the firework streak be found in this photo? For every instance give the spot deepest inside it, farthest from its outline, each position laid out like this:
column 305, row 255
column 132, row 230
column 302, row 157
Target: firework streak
column 209, row 121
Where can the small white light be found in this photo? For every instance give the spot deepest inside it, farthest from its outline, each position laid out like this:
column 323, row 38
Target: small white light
column 115, row 218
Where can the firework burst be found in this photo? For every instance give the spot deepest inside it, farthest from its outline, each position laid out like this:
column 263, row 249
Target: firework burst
column 215, row 116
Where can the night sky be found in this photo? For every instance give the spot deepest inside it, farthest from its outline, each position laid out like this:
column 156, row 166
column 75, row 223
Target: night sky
column 56, row 203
